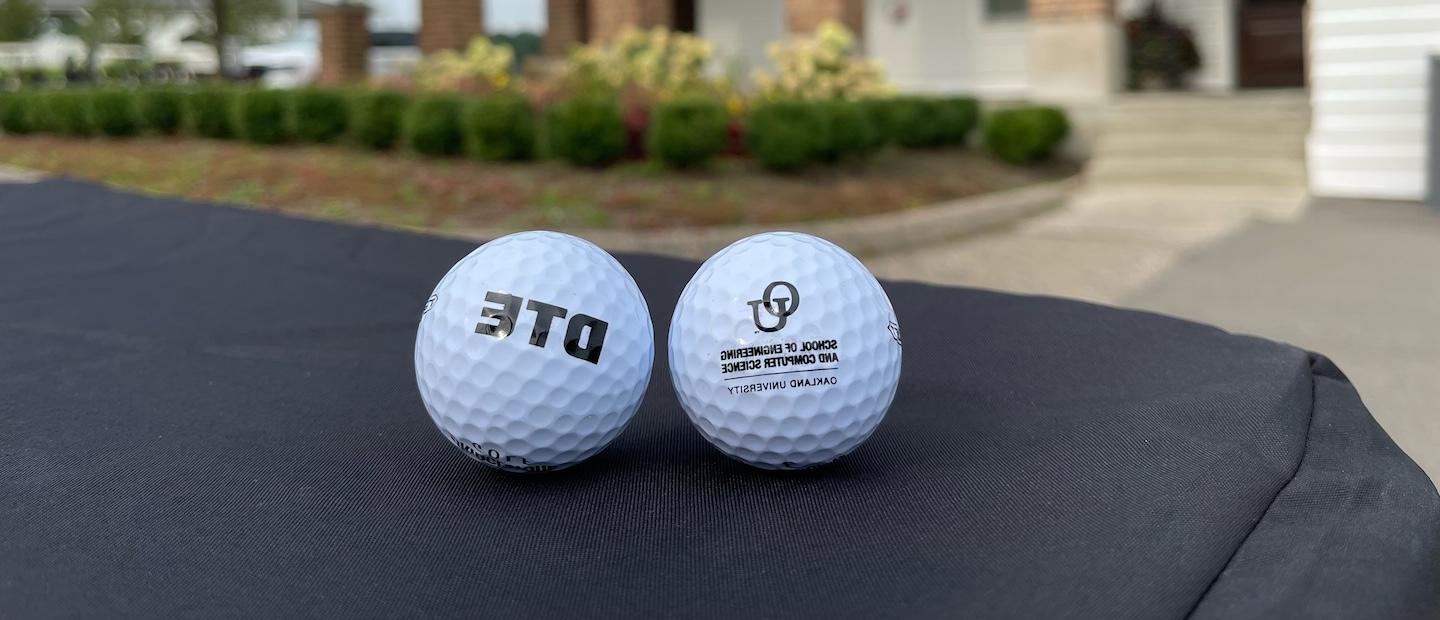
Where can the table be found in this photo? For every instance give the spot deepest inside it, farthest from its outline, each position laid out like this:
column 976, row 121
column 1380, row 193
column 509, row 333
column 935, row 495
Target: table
column 208, row 411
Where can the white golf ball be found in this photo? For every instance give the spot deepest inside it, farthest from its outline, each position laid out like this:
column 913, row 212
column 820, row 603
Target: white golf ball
column 784, row 351
column 534, row 352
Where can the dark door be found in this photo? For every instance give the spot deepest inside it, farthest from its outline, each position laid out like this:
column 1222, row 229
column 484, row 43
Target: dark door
column 1272, row 43
column 683, row 14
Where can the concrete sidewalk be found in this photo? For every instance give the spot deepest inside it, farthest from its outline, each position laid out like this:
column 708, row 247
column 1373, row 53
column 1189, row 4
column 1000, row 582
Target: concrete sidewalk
column 1358, row 281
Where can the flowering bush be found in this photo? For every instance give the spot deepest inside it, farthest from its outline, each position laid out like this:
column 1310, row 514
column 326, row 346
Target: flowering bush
column 661, row 63
column 484, row 66
column 821, row 67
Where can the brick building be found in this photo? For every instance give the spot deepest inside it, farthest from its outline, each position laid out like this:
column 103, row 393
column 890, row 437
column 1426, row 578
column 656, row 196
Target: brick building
column 1358, row 64
column 449, row 24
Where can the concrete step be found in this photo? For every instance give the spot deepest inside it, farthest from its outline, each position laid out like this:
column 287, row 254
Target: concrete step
column 1188, row 205
column 1221, row 124
column 1188, row 170
column 1297, row 100
column 1198, row 143
column 1205, row 155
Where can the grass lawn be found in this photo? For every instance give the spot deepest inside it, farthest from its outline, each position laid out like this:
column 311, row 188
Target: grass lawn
column 454, row 194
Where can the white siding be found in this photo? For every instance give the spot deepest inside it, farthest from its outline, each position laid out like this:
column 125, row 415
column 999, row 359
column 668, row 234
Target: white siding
column 1368, row 92
column 949, row 46
column 740, row 30
column 1004, row 58
column 1212, row 22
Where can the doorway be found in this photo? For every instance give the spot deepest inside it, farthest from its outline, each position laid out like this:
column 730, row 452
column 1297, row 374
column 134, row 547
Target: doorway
column 1271, row 38
column 682, row 15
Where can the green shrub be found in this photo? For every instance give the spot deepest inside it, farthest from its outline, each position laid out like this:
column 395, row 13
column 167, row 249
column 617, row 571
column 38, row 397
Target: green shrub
column 785, row 136
column 210, row 112
column 1057, row 125
column 376, row 118
column 848, row 131
column 318, row 115
column 955, row 117
column 688, row 132
column 1024, row 135
column 500, row 127
column 113, row 112
column 67, row 112
column 881, row 113
column 1159, row 52
column 586, row 131
column 17, row 111
column 260, row 116
column 160, row 110
column 914, row 122
column 432, row 125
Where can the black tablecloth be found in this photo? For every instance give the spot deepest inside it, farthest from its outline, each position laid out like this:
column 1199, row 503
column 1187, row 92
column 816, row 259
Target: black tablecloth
column 207, row 411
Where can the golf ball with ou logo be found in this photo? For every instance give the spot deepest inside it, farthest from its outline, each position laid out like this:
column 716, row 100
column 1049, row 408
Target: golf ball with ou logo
column 534, row 352
column 784, row 351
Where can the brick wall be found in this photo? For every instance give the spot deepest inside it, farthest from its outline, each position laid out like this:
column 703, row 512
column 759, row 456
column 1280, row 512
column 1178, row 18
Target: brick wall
column 344, row 44
column 568, row 23
column 609, row 17
column 449, row 24
column 1044, row 9
column 805, row 15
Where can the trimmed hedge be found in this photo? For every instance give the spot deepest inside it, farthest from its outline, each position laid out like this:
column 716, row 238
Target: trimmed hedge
column 913, row 121
column 318, row 115
column 919, row 122
column 261, row 116
column 113, row 112
column 210, row 112
column 1026, row 134
column 66, row 112
column 1057, row 125
column 957, row 116
column 17, row 113
column 688, row 132
column 377, row 118
column 432, row 125
column 881, row 113
column 848, row 131
column 160, row 110
column 785, row 135
column 588, row 130
column 500, row 127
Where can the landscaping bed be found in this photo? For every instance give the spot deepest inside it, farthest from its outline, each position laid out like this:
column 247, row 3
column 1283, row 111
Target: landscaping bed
column 632, row 135
column 405, row 190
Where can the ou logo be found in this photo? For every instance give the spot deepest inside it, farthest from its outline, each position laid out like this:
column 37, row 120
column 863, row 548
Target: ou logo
column 779, row 307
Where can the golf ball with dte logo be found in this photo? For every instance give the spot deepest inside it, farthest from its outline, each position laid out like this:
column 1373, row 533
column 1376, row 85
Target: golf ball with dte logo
column 534, row 352
column 784, row 351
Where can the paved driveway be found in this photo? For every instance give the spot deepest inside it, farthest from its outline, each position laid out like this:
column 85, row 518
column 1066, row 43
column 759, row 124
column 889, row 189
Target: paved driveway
column 1357, row 281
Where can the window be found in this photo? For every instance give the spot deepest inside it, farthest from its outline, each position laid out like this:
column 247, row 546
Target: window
column 1007, row 9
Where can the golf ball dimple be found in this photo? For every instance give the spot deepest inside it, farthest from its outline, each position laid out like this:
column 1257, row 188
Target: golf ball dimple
column 784, row 351
column 534, row 352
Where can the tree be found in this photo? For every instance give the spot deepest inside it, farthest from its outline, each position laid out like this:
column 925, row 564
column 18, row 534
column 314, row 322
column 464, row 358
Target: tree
column 229, row 20
column 19, row 20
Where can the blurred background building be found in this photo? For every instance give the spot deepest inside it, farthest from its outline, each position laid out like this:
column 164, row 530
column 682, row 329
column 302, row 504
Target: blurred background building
column 1288, row 97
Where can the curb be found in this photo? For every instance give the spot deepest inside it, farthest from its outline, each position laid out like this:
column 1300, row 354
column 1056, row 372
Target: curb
column 863, row 236
column 869, row 235
column 13, row 175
